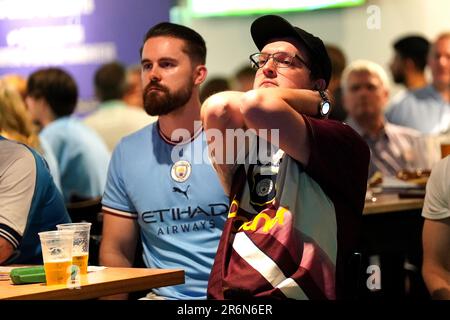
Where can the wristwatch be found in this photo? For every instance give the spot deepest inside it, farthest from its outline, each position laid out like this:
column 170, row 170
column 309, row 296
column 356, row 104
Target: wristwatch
column 324, row 106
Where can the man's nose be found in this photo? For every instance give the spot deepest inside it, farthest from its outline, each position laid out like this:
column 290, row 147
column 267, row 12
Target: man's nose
column 270, row 68
column 154, row 75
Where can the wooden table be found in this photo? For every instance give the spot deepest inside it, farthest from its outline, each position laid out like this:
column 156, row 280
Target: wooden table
column 391, row 203
column 97, row 284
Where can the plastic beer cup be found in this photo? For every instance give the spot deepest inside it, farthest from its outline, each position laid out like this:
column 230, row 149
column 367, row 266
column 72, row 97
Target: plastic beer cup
column 57, row 255
column 81, row 236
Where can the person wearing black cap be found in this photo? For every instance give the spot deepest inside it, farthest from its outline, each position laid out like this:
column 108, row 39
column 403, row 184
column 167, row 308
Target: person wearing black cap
column 409, row 61
column 293, row 219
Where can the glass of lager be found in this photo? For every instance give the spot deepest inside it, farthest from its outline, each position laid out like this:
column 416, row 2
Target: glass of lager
column 81, row 235
column 57, row 255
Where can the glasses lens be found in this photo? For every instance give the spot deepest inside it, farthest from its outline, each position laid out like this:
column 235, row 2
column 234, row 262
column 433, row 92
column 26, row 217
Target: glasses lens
column 282, row 59
column 261, row 59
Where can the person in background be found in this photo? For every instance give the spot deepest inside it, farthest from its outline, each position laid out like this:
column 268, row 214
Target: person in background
column 156, row 188
column 243, row 78
column 133, row 87
column 294, row 215
column 212, row 86
column 436, row 232
column 338, row 63
column 392, row 147
column 114, row 119
column 428, row 109
column 17, row 125
column 29, row 203
column 409, row 61
column 81, row 154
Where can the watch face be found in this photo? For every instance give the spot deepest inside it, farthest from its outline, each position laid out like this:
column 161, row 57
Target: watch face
column 325, row 108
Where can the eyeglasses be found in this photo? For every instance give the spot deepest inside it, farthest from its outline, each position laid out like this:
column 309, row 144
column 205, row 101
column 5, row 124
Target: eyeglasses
column 281, row 59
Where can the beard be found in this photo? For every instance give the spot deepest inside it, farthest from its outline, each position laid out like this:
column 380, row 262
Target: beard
column 161, row 102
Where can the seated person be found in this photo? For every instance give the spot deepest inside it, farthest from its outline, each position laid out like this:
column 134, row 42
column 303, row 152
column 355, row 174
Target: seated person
column 29, row 203
column 436, row 232
column 82, row 156
column 428, row 109
column 409, row 61
column 295, row 212
column 17, row 125
column 113, row 119
column 133, row 87
column 392, row 147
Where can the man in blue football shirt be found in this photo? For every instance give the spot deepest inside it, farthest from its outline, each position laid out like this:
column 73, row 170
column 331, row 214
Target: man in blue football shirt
column 175, row 203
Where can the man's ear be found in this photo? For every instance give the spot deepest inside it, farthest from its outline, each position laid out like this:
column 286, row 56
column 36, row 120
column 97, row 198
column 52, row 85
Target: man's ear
column 320, row 84
column 200, row 74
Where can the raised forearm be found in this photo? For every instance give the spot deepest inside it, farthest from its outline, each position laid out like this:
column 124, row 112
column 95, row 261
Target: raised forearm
column 303, row 101
column 221, row 113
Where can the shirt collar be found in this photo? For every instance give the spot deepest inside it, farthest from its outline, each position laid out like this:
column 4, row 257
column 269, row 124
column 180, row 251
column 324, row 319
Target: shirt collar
column 355, row 126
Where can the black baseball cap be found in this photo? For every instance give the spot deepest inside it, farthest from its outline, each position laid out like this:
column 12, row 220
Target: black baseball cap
column 268, row 27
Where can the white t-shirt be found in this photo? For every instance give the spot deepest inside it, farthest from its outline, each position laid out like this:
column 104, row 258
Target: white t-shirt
column 437, row 199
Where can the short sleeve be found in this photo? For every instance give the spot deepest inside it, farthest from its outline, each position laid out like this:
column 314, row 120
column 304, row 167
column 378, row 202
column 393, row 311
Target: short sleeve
column 17, row 184
column 339, row 160
column 437, row 204
column 115, row 198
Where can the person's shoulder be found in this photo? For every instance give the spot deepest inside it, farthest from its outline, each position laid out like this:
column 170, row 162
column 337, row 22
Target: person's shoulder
column 426, row 92
column 141, row 136
column 407, row 98
column 63, row 128
column 11, row 151
column 16, row 159
column 336, row 132
column 402, row 130
column 336, row 126
column 441, row 167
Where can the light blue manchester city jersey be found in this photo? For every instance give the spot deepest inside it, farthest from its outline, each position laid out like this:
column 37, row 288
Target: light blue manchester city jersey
column 179, row 203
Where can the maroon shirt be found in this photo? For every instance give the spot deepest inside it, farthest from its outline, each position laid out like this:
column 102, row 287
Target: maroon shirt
column 338, row 165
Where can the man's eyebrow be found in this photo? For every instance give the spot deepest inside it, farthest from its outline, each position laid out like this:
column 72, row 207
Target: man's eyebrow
column 145, row 60
column 167, row 59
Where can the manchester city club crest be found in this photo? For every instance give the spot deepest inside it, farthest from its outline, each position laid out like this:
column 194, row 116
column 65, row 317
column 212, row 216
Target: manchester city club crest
column 264, row 187
column 181, row 170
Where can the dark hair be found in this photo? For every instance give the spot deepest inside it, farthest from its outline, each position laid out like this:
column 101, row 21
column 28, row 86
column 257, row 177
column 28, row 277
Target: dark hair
column 415, row 48
column 57, row 87
column 195, row 45
column 110, row 81
column 338, row 60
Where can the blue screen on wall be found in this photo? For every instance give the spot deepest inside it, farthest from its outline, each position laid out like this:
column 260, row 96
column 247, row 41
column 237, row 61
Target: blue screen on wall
column 77, row 35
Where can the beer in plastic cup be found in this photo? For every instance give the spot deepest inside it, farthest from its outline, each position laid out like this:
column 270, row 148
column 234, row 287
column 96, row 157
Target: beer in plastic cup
column 57, row 255
column 80, row 249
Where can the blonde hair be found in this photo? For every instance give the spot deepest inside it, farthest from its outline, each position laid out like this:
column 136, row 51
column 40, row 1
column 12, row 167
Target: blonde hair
column 16, row 82
column 365, row 66
column 15, row 121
